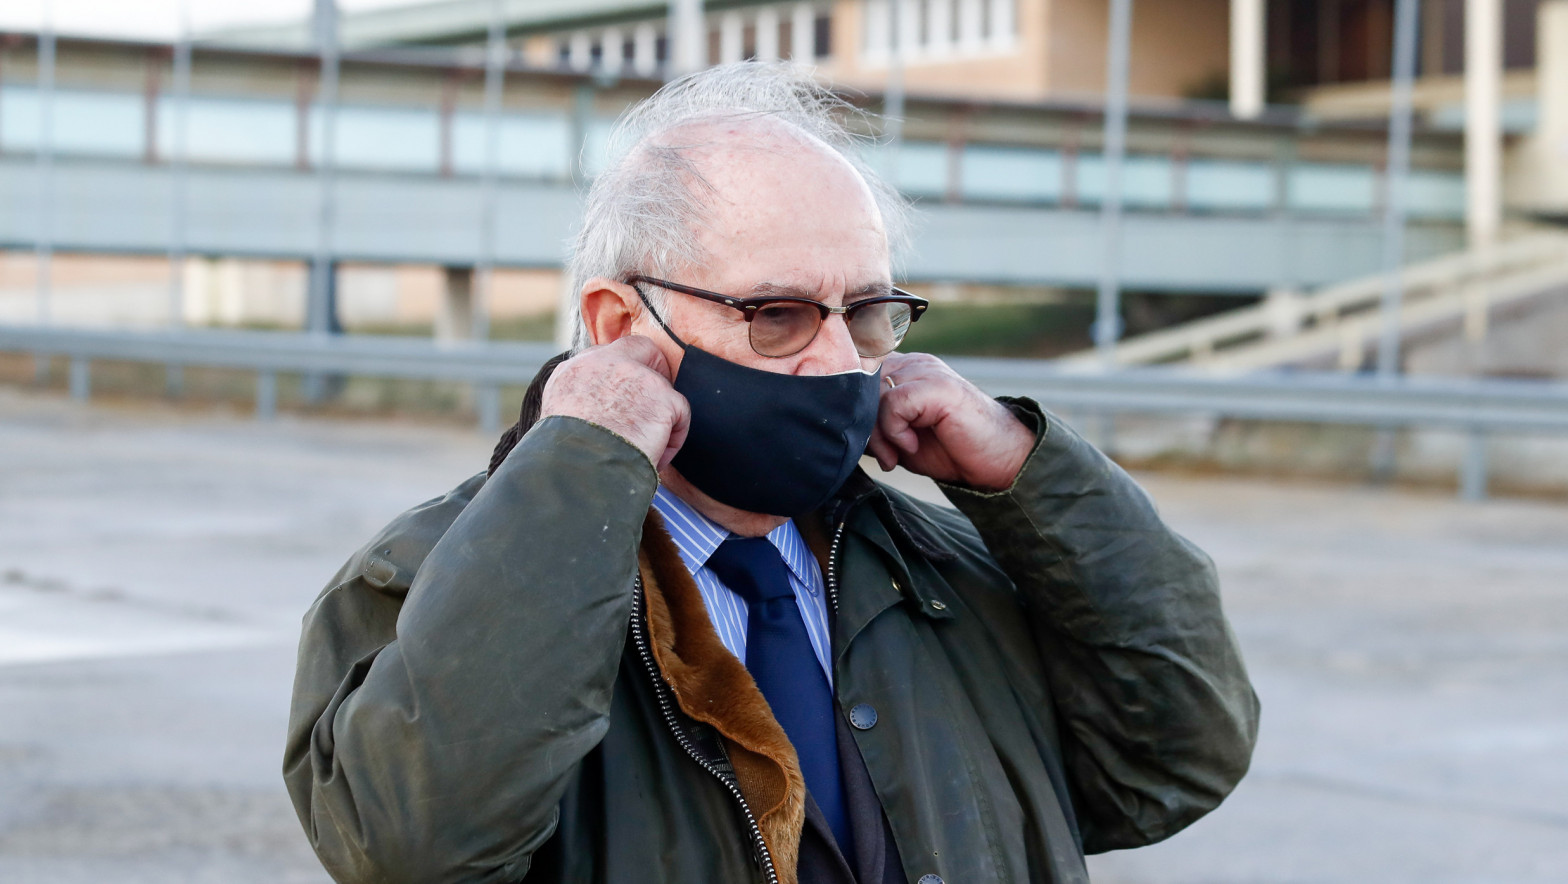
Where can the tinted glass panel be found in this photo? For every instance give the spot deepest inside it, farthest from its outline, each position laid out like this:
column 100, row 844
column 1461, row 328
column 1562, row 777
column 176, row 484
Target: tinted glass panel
column 1011, row 173
column 1146, row 181
column 1221, row 185
column 384, row 138
column 1431, row 194
column 529, row 145
column 231, row 130
column 1324, row 187
column 85, row 123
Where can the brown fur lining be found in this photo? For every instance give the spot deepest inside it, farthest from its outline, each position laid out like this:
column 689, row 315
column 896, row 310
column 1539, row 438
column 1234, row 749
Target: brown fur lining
column 713, row 687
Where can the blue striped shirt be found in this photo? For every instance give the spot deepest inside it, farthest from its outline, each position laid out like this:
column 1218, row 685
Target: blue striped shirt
column 696, row 537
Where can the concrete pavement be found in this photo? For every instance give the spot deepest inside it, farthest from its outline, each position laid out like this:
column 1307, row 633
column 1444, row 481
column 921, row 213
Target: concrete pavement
column 1411, row 653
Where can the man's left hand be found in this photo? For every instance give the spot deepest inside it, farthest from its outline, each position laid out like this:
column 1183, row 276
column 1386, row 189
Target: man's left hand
column 937, row 424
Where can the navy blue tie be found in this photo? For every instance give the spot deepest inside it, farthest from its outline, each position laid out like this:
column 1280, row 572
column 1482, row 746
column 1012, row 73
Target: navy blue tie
column 780, row 658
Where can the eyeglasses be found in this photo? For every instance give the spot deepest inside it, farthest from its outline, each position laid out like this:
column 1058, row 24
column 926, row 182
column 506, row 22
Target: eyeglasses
column 783, row 326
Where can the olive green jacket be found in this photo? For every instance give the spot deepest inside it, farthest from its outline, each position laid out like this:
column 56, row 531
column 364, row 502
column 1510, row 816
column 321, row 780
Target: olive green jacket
column 517, row 680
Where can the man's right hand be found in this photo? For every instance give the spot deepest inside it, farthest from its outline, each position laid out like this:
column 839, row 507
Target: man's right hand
column 625, row 387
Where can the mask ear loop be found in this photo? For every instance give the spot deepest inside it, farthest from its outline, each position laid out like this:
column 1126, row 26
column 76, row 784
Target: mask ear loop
column 655, row 314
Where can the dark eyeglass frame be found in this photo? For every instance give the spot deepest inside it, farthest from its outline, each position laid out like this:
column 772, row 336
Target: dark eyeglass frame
column 750, row 306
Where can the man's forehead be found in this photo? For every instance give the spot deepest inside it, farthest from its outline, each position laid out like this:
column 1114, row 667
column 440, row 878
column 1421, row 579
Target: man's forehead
column 735, row 157
column 785, row 214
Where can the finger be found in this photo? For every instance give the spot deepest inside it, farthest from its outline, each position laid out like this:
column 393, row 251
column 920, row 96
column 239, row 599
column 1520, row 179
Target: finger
column 894, row 419
column 890, row 365
column 894, row 361
column 879, row 448
column 919, row 367
column 641, row 348
column 679, row 427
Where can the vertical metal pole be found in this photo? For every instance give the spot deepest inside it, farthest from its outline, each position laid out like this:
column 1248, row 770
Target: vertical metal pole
column 582, row 116
column 1285, row 155
column 1472, row 470
column 173, row 372
column 321, row 309
column 43, row 247
column 488, row 404
column 893, row 96
column 495, row 61
column 1107, row 322
column 567, row 307
column 266, row 395
column 80, row 378
column 1396, row 177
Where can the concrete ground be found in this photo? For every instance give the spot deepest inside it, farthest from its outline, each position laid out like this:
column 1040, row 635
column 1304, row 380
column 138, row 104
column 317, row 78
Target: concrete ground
column 1411, row 653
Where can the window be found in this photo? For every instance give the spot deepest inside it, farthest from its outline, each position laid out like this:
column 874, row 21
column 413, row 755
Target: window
column 85, row 123
column 938, row 29
column 530, row 145
column 822, row 36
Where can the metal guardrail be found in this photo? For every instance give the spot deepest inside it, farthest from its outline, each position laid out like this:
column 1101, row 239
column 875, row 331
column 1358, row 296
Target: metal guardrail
column 1475, row 407
column 1538, row 259
column 487, row 366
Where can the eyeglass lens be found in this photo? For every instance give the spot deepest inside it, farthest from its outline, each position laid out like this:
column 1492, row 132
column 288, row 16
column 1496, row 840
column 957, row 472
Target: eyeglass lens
column 784, row 328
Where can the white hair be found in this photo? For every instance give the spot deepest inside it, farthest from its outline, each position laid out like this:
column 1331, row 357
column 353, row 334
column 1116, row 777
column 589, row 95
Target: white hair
column 641, row 213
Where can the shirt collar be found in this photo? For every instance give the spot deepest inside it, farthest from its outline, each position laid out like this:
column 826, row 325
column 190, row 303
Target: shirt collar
column 792, row 547
column 696, row 537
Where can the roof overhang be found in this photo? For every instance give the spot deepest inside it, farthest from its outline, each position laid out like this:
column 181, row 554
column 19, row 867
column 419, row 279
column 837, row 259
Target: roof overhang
column 456, row 21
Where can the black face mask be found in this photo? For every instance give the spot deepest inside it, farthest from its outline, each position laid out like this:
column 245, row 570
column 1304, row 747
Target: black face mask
column 766, row 442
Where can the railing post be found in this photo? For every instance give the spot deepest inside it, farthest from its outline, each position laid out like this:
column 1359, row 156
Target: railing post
column 487, row 400
column 1472, row 469
column 43, row 247
column 81, row 378
column 266, row 395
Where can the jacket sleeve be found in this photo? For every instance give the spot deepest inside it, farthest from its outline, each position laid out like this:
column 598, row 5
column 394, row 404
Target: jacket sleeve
column 432, row 741
column 1157, row 715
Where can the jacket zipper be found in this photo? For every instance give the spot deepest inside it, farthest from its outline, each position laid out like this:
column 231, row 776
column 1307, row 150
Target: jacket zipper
column 667, row 708
column 832, row 575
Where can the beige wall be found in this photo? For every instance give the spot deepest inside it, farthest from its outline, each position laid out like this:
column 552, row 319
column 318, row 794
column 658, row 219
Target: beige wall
column 1176, row 44
column 1059, row 53
column 1018, row 74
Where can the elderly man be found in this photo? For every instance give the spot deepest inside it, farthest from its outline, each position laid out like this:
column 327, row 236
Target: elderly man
column 677, row 635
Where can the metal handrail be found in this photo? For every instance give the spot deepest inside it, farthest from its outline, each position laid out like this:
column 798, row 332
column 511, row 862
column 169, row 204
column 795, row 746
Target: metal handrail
column 486, row 365
column 1202, row 338
column 1360, row 400
column 1474, row 406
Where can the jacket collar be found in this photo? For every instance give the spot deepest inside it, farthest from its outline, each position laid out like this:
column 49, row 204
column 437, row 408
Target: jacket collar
column 904, row 519
column 893, row 525
column 711, row 686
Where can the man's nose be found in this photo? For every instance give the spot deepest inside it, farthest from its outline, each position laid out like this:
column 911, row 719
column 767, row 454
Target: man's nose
column 832, row 350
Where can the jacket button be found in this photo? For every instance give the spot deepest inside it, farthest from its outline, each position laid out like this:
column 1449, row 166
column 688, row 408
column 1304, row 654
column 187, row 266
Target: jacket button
column 863, row 716
column 930, row 879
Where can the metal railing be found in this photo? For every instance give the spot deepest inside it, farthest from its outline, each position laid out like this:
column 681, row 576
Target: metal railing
column 487, row 366
column 1474, row 407
column 1256, row 337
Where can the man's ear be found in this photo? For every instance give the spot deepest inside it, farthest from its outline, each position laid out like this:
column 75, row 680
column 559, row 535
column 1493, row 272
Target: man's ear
column 608, row 307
